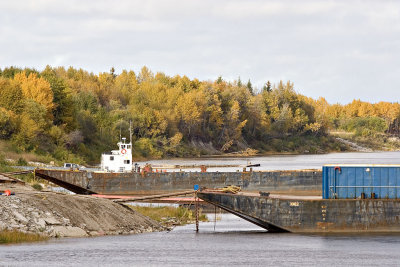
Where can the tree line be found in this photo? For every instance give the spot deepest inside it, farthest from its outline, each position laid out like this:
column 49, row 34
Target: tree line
column 72, row 114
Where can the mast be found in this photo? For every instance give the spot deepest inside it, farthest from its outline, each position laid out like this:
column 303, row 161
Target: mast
column 130, row 131
column 120, row 132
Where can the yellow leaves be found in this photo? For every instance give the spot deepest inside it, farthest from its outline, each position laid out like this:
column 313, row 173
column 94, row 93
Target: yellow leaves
column 125, row 84
column 161, row 121
column 11, row 96
column 386, row 110
column 7, row 123
column 145, row 75
column 175, row 140
column 28, row 131
column 335, row 111
column 189, row 109
column 57, row 134
column 357, row 108
column 313, row 127
column 35, row 88
column 265, row 122
column 215, row 111
column 235, row 109
column 299, row 119
column 239, row 128
column 190, row 106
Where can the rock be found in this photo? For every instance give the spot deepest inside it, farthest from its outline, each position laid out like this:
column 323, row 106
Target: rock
column 69, row 231
column 94, row 233
column 51, row 221
column 20, row 217
column 14, row 226
column 41, row 223
column 52, row 214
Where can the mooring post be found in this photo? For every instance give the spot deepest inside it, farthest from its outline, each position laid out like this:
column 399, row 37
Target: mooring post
column 215, row 216
column 196, row 188
column 197, row 212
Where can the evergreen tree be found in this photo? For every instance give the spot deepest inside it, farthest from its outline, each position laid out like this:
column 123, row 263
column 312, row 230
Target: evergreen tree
column 112, row 72
column 239, row 82
column 250, row 87
column 267, row 87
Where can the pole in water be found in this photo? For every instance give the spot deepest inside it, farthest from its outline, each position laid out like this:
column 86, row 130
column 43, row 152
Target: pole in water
column 197, row 212
column 215, row 216
column 196, row 188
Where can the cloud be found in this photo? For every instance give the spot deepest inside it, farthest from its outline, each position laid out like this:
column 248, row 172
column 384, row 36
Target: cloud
column 337, row 49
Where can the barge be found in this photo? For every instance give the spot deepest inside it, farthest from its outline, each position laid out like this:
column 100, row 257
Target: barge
column 148, row 183
column 356, row 198
column 119, row 176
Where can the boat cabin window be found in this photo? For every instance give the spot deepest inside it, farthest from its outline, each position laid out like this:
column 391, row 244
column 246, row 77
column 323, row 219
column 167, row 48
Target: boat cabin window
column 111, row 157
column 127, row 161
column 128, row 146
column 122, row 146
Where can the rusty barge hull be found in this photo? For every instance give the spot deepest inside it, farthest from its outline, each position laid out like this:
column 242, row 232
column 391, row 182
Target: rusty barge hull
column 83, row 182
column 312, row 216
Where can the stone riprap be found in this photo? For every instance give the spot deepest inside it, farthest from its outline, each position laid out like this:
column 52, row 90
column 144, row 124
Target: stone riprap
column 63, row 215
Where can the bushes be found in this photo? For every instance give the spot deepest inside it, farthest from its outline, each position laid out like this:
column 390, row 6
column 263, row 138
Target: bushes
column 365, row 126
column 146, row 148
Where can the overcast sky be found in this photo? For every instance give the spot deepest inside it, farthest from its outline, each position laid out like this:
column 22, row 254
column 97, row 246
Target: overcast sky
column 340, row 50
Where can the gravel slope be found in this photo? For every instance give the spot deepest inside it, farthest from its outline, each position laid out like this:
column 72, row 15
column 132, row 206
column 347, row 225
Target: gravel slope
column 63, row 215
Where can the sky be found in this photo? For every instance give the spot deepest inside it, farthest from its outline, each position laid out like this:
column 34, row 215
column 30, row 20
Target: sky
column 340, row 50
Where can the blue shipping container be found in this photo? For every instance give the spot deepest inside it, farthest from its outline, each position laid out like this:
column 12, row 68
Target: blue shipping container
column 360, row 181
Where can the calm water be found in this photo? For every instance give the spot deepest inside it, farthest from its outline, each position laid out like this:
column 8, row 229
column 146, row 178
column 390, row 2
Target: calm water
column 233, row 242
column 289, row 162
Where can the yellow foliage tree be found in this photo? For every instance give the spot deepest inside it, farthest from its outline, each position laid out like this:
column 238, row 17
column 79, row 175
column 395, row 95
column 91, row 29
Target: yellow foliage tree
column 37, row 89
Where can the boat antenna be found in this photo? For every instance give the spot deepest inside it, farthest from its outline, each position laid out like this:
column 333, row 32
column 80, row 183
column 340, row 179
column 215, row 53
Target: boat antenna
column 120, row 135
column 130, row 131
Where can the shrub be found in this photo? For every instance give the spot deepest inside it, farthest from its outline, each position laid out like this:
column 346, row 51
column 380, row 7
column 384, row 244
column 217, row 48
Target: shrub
column 7, row 236
column 37, row 186
column 22, row 162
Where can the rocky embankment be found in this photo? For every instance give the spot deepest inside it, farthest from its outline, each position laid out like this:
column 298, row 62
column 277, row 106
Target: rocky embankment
column 62, row 215
column 354, row 146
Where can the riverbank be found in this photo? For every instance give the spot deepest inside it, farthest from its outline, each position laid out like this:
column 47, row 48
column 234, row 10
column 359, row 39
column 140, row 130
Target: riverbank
column 14, row 236
column 170, row 216
column 289, row 145
column 62, row 215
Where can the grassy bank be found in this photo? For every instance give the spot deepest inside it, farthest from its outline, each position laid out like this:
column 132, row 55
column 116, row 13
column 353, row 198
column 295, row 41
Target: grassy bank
column 378, row 141
column 10, row 237
column 169, row 216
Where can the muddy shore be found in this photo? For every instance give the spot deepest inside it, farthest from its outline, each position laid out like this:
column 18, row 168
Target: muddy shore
column 63, row 215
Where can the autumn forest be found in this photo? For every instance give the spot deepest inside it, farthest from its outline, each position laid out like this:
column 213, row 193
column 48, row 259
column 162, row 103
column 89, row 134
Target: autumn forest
column 74, row 115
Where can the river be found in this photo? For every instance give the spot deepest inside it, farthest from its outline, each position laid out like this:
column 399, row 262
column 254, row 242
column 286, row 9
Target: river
column 233, row 242
column 287, row 162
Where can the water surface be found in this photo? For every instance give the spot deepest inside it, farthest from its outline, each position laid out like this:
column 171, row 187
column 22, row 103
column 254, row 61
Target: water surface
column 233, row 242
column 287, row 162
